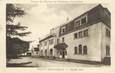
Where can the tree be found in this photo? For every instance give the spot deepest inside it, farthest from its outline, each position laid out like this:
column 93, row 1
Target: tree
column 12, row 11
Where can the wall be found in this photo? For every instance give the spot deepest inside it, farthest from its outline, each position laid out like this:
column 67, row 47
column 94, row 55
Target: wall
column 93, row 42
column 105, row 40
column 47, row 47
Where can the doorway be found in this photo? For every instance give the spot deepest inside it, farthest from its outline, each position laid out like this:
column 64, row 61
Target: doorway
column 51, row 52
column 63, row 53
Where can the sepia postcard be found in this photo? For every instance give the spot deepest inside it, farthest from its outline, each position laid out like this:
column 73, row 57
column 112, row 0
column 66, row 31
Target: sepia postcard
column 57, row 36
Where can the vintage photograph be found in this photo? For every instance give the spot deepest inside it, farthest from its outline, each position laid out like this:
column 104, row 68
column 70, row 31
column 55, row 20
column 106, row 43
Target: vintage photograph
column 58, row 35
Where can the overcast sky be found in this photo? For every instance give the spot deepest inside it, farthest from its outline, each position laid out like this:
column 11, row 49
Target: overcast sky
column 40, row 18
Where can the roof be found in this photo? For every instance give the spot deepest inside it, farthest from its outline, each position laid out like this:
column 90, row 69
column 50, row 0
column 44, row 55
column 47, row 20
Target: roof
column 94, row 15
column 86, row 13
column 17, row 40
column 61, row 46
column 46, row 38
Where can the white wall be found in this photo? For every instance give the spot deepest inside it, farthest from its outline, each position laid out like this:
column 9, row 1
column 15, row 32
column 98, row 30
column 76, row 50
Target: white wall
column 93, row 42
column 105, row 40
column 48, row 46
column 96, row 43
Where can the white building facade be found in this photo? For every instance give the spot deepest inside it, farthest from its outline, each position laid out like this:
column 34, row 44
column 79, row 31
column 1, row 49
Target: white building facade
column 86, row 37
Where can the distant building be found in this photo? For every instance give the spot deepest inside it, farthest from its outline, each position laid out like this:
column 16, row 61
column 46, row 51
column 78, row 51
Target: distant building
column 35, row 51
column 47, row 46
column 87, row 37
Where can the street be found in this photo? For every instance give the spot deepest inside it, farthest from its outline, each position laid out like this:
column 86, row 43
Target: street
column 40, row 62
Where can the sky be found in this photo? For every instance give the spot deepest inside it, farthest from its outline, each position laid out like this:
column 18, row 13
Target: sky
column 40, row 18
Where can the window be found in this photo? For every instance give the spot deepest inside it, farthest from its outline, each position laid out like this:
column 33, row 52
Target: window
column 85, row 50
column 40, row 44
column 86, row 33
column 51, row 41
column 77, row 23
column 51, row 51
column 63, row 30
column 80, row 34
column 80, row 49
column 57, row 41
column 41, row 52
column 63, row 39
column 65, row 52
column 107, row 33
column 107, row 50
column 45, row 43
column 36, row 52
column 83, row 20
column 75, row 50
column 75, row 35
column 46, row 52
column 36, row 49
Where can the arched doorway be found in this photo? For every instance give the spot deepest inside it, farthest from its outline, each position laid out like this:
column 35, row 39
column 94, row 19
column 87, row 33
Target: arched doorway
column 51, row 52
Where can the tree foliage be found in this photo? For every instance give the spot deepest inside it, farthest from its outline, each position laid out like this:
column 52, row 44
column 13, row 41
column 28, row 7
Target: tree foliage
column 11, row 12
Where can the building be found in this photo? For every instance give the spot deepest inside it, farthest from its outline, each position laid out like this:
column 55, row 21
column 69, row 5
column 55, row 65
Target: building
column 15, row 47
column 35, row 51
column 87, row 37
column 47, row 46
